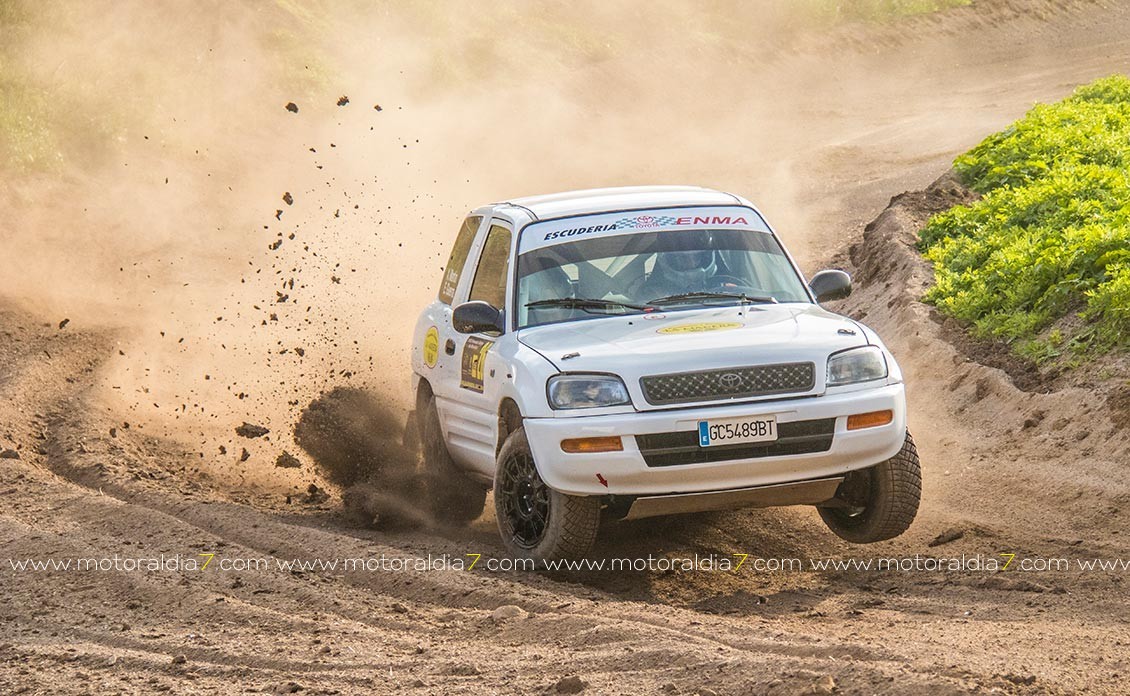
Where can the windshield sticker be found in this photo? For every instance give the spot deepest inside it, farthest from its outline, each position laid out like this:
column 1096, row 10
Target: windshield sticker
column 431, row 347
column 699, row 328
column 648, row 222
column 551, row 232
column 474, row 363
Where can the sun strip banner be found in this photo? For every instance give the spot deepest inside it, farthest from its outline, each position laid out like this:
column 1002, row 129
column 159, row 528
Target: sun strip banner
column 550, row 232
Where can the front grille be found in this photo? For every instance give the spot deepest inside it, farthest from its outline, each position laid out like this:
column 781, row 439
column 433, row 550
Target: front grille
column 733, row 383
column 675, row 449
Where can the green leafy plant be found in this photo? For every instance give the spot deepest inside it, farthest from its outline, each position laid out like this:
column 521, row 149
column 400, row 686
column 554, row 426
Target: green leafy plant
column 1049, row 239
column 835, row 11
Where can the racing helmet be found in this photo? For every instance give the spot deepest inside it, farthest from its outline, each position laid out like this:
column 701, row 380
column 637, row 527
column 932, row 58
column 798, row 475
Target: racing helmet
column 689, row 255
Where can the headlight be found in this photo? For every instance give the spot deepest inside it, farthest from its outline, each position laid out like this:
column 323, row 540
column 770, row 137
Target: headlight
column 587, row 391
column 856, row 365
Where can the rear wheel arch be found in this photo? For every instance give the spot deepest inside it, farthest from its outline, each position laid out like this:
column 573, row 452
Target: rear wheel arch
column 424, row 394
column 451, row 495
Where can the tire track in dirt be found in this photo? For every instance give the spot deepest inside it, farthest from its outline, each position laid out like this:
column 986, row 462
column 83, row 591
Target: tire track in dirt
column 129, row 509
column 108, row 508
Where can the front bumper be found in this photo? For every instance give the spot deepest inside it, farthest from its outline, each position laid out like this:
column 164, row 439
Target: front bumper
column 626, row 473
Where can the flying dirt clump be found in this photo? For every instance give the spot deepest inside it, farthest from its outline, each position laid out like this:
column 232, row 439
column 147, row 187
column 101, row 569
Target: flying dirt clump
column 355, row 441
column 287, row 460
column 251, row 430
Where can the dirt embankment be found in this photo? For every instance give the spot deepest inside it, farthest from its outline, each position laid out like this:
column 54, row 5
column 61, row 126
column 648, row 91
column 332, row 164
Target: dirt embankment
column 1072, row 443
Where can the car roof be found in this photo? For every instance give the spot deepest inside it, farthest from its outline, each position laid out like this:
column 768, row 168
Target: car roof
column 607, row 200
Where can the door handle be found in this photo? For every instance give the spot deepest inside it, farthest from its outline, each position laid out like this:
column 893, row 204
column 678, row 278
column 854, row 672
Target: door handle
column 449, row 347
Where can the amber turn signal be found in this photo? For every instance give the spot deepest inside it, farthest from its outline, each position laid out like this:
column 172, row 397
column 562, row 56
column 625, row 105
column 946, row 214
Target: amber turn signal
column 870, row 420
column 589, row 445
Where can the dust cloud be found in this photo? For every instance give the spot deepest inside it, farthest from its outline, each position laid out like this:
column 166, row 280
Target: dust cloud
column 358, row 442
column 253, row 257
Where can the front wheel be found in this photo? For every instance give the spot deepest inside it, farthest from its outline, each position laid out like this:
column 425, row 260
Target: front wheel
column 878, row 503
column 535, row 521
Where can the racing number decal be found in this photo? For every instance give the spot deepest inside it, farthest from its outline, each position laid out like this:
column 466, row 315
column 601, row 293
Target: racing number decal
column 474, row 362
column 431, row 347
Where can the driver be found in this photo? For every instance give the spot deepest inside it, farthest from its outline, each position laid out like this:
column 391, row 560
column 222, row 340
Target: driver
column 686, row 267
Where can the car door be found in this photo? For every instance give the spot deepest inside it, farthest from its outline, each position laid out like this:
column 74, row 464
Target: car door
column 440, row 363
column 472, row 411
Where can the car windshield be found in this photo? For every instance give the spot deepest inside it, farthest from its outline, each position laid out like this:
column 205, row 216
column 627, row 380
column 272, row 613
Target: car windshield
column 648, row 271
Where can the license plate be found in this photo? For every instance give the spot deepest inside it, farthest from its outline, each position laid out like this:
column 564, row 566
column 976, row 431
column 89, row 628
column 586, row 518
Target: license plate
column 735, row 431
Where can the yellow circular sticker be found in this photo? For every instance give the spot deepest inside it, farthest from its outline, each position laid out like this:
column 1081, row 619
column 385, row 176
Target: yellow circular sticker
column 699, row 328
column 431, row 347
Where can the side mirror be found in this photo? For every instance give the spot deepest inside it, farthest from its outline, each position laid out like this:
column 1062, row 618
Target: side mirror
column 476, row 317
column 830, row 285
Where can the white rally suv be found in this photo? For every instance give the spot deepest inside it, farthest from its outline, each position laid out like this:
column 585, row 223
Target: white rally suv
column 629, row 352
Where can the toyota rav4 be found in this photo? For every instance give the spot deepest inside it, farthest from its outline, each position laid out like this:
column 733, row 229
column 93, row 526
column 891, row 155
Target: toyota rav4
column 630, row 352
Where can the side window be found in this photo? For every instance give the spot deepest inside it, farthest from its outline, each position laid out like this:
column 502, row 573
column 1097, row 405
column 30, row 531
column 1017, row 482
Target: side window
column 458, row 259
column 494, row 265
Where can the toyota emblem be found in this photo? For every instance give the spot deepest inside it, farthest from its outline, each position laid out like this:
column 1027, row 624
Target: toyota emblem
column 729, row 381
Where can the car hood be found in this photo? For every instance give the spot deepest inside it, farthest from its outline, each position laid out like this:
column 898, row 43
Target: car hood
column 640, row 345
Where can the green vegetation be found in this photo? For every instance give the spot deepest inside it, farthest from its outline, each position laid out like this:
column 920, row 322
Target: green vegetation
column 77, row 82
column 831, row 12
column 1042, row 260
column 25, row 139
column 48, row 117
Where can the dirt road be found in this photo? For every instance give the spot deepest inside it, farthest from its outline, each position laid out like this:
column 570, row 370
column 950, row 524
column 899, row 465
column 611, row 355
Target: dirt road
column 822, row 133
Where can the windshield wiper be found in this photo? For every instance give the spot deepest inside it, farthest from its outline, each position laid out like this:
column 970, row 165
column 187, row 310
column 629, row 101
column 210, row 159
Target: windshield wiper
column 698, row 296
column 586, row 303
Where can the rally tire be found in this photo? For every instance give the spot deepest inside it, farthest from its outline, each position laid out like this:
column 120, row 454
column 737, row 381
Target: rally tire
column 450, row 495
column 882, row 501
column 535, row 521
